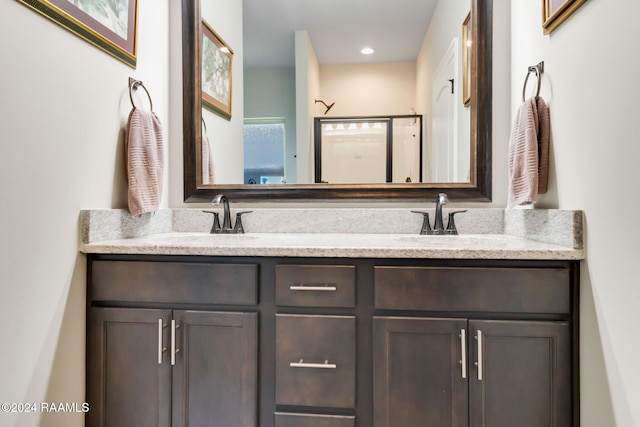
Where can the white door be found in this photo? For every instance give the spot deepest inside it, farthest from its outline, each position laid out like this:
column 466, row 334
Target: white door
column 444, row 120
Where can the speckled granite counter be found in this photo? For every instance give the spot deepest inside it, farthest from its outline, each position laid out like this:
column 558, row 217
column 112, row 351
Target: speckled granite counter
column 357, row 233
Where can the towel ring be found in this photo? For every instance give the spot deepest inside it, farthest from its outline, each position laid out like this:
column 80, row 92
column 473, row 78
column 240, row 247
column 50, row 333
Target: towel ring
column 204, row 125
column 133, row 85
column 538, row 69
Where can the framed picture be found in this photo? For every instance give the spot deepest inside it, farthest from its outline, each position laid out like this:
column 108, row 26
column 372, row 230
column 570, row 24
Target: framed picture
column 217, row 73
column 110, row 25
column 466, row 60
column 555, row 12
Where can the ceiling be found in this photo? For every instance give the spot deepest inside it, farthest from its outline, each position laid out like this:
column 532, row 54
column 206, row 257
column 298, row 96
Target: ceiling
column 338, row 30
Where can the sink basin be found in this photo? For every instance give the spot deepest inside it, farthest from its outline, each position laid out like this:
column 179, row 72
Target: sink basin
column 461, row 239
column 198, row 238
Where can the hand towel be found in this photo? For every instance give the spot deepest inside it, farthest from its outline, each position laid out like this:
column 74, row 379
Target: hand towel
column 207, row 161
column 145, row 161
column 528, row 162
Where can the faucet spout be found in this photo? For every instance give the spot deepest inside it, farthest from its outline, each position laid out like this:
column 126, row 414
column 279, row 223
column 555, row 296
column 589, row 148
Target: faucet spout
column 226, row 219
column 442, row 200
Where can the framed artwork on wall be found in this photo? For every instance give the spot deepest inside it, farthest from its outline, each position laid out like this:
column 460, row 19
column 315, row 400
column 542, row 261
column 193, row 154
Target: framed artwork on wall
column 217, row 73
column 555, row 12
column 111, row 25
column 466, row 60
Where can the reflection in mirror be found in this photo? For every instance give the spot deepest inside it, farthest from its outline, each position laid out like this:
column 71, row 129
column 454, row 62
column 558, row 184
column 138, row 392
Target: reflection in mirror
column 461, row 167
column 356, row 150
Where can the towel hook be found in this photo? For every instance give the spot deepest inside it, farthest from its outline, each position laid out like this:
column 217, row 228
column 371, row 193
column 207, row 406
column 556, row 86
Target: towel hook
column 538, row 69
column 133, row 85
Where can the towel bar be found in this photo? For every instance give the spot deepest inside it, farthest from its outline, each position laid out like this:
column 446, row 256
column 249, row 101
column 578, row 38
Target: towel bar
column 538, row 69
column 133, row 85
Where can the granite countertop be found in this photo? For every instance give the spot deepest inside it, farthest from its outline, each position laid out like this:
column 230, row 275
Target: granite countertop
column 353, row 245
column 542, row 235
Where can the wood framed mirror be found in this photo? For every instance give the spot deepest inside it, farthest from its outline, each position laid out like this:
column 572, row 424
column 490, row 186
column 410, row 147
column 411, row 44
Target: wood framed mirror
column 477, row 189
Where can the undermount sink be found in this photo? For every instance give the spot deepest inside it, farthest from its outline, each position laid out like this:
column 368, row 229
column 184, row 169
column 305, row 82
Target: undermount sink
column 206, row 238
column 461, row 239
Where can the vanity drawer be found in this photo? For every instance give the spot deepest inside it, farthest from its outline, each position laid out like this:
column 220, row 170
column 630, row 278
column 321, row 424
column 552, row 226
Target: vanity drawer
column 316, row 285
column 174, row 282
column 313, row 420
column 506, row 290
column 315, row 360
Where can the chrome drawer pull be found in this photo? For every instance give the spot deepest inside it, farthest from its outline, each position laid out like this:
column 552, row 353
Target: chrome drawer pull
column 160, row 348
column 463, row 347
column 302, row 364
column 479, row 362
column 314, row 287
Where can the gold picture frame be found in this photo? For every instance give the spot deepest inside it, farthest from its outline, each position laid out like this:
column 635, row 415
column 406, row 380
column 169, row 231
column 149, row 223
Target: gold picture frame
column 555, row 12
column 108, row 27
column 466, row 60
column 217, row 73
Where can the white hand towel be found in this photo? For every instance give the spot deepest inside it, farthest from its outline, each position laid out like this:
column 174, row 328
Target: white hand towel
column 207, row 161
column 145, row 161
column 529, row 153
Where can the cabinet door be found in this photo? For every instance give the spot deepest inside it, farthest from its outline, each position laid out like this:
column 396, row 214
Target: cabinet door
column 523, row 374
column 215, row 375
column 129, row 381
column 418, row 374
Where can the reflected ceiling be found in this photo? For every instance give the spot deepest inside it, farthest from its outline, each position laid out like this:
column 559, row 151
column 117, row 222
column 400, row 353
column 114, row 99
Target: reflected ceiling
column 338, row 30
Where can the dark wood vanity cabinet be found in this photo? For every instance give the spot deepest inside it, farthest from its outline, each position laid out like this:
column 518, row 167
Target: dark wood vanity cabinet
column 487, row 347
column 292, row 342
column 171, row 366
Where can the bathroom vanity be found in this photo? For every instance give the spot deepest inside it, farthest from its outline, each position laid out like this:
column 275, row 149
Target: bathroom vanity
column 332, row 330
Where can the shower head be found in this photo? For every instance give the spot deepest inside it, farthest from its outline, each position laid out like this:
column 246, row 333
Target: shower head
column 328, row 107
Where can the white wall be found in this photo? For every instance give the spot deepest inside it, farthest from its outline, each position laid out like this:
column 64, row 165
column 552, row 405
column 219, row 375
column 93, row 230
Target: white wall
column 225, row 17
column 590, row 65
column 63, row 107
column 445, row 26
column 307, row 89
column 368, row 89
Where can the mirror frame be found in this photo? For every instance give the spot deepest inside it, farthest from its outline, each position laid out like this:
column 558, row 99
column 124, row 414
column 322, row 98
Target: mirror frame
column 479, row 189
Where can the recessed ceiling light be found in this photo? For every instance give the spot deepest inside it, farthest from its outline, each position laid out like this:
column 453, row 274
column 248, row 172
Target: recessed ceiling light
column 367, row 51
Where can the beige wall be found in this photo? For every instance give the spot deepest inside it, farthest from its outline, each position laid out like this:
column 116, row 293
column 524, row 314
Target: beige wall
column 63, row 106
column 368, row 89
column 595, row 152
column 224, row 16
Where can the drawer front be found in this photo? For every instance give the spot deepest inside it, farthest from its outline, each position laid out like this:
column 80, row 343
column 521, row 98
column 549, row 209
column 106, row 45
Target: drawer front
column 173, row 282
column 314, row 420
column 315, row 360
column 316, row 285
column 507, row 290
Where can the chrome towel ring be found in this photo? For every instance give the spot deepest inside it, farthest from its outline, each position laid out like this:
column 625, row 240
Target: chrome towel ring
column 133, row 85
column 538, row 69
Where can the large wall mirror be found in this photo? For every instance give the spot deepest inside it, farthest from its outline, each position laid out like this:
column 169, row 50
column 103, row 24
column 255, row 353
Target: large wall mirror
column 472, row 51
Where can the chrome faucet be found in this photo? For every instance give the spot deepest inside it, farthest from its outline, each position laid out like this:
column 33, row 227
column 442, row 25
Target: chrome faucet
column 438, row 226
column 226, row 221
column 226, row 217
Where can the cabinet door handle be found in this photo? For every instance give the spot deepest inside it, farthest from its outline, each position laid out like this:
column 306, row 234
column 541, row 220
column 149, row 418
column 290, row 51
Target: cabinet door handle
column 463, row 347
column 160, row 348
column 173, row 342
column 314, row 287
column 479, row 362
column 302, row 364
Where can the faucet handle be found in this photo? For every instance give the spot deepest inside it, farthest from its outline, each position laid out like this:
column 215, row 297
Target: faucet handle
column 215, row 228
column 451, row 225
column 426, row 226
column 238, row 227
